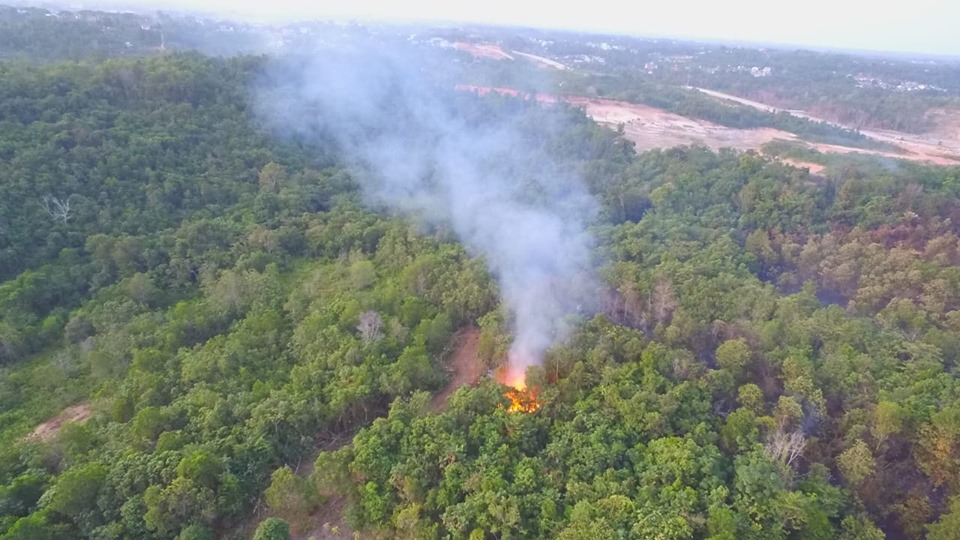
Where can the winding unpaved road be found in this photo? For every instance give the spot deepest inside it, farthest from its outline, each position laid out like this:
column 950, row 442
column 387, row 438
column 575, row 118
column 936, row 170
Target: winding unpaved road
column 465, row 367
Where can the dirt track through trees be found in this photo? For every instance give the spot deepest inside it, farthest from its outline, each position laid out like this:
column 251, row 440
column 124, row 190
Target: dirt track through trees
column 465, row 366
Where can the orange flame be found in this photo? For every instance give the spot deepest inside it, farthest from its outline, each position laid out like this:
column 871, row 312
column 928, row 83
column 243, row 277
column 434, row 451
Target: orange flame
column 522, row 399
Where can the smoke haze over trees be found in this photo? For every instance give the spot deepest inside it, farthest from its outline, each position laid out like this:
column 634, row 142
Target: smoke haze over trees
column 448, row 160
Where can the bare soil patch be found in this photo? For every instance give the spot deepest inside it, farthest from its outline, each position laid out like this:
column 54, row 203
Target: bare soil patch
column 649, row 128
column 466, row 366
column 540, row 60
column 483, row 50
column 941, row 146
column 946, row 125
column 48, row 430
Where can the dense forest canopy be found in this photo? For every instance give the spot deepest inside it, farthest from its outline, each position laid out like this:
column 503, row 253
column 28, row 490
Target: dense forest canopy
column 775, row 353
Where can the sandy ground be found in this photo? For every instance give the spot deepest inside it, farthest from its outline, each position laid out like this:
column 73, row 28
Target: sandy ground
column 48, row 430
column 740, row 100
column 483, row 50
column 650, row 128
column 495, row 52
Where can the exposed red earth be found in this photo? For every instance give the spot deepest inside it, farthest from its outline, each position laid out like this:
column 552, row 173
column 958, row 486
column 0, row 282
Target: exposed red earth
column 465, row 365
column 649, row 127
column 48, row 430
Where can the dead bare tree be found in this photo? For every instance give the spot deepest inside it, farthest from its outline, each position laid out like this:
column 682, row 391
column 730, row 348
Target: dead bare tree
column 369, row 326
column 662, row 300
column 784, row 447
column 59, row 209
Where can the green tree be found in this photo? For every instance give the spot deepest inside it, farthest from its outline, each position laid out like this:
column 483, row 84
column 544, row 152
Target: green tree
column 75, row 494
column 948, row 525
column 272, row 529
column 887, row 421
column 751, row 398
column 734, row 356
column 291, row 497
column 856, row 463
column 196, row 532
column 272, row 177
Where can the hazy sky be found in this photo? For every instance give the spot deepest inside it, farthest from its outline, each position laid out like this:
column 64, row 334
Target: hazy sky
column 928, row 26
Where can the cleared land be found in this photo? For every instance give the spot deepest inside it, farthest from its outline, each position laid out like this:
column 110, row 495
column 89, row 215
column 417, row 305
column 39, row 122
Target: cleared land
column 483, row 50
column 48, row 430
column 649, row 128
column 495, row 52
column 941, row 146
column 539, row 60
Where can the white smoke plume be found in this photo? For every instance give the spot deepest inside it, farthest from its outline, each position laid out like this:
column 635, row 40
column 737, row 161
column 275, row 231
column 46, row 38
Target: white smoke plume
column 431, row 156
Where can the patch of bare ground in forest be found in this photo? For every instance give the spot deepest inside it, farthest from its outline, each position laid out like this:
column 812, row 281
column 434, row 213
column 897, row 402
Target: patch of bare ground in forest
column 650, row 127
column 465, row 366
column 48, row 430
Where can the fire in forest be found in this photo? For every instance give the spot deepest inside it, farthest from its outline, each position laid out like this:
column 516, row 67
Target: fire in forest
column 418, row 151
column 522, row 398
column 525, row 400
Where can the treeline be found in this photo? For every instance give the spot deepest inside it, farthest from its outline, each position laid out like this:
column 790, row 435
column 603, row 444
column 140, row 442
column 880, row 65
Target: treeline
column 826, row 85
column 40, row 34
column 36, row 34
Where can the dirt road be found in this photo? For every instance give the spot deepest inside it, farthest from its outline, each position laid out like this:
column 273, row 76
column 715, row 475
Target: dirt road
column 941, row 146
column 483, row 50
column 649, row 128
column 465, row 365
column 328, row 523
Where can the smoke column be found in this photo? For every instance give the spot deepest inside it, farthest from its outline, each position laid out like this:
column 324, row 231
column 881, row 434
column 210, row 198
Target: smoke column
column 428, row 158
